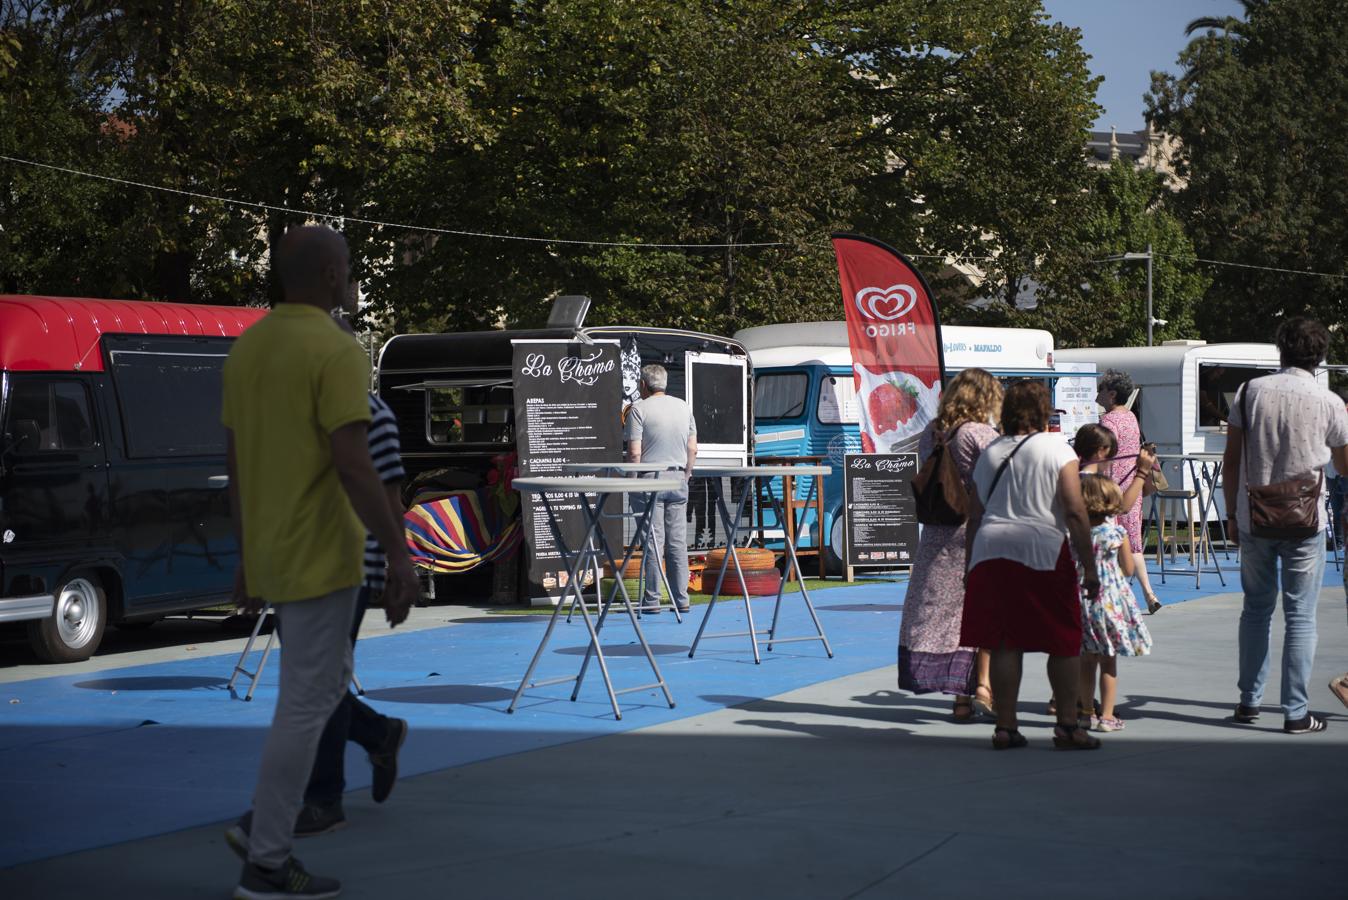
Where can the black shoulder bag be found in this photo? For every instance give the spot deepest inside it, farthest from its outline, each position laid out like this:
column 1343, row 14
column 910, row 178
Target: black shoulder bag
column 941, row 496
column 1284, row 510
column 1006, row 462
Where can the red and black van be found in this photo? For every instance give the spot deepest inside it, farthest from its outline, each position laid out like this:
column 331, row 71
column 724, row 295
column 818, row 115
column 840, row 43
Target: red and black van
column 112, row 465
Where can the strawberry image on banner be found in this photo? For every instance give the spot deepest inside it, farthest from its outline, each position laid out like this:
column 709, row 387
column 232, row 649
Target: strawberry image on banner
column 894, row 331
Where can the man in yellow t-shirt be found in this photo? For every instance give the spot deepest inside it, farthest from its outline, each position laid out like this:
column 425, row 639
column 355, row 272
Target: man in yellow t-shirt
column 304, row 491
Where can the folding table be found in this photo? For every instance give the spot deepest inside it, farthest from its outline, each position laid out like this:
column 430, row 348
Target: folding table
column 749, row 477
column 587, row 551
column 616, row 470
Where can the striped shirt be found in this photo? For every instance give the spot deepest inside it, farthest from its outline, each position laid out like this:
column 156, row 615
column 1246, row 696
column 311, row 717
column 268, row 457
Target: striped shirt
column 385, row 452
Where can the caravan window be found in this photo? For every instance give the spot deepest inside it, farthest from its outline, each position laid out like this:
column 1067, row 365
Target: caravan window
column 838, row 401
column 465, row 414
column 1217, row 387
column 780, row 395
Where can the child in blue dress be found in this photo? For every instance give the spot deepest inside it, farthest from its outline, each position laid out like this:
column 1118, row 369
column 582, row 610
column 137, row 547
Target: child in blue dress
column 1110, row 624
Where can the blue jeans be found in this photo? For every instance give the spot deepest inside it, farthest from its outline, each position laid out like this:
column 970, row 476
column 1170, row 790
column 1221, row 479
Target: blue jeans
column 669, row 539
column 1303, row 570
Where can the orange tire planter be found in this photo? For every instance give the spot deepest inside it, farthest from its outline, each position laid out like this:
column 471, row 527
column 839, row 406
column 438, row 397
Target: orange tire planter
column 760, row 582
column 749, row 558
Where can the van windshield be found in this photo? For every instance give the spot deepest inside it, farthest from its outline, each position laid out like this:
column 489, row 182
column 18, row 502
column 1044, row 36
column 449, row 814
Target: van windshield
column 780, row 395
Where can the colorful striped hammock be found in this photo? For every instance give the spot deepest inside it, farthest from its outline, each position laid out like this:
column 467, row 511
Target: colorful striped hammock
column 460, row 531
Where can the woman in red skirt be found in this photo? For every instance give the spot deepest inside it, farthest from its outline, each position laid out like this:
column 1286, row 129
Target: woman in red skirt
column 1021, row 594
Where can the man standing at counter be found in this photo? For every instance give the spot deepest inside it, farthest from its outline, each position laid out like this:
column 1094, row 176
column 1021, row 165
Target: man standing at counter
column 660, row 429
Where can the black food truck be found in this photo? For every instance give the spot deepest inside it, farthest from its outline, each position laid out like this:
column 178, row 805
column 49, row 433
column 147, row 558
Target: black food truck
column 113, row 506
column 454, row 396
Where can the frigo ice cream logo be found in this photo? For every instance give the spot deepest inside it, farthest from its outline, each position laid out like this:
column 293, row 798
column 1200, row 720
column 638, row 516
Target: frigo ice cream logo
column 887, row 305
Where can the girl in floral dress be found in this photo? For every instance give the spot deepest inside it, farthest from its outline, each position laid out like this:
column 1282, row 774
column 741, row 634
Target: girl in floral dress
column 1111, row 625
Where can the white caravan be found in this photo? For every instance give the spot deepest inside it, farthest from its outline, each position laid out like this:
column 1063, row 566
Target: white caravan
column 1185, row 388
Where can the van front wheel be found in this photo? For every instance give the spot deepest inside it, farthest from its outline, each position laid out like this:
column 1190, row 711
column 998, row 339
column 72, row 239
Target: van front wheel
column 73, row 632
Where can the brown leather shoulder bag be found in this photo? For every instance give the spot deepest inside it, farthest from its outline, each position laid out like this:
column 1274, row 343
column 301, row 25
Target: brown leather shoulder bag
column 1285, row 510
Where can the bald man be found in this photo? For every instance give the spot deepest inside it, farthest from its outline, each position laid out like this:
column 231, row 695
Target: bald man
column 304, row 491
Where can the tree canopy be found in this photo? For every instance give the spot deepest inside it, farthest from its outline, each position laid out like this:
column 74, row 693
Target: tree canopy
column 1259, row 112
column 602, row 128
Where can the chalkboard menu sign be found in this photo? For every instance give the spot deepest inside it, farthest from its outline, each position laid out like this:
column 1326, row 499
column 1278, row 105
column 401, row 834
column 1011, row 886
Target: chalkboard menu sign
column 568, row 408
column 879, row 509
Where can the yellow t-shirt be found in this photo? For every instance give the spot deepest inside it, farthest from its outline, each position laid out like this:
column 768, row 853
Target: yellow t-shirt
column 289, row 382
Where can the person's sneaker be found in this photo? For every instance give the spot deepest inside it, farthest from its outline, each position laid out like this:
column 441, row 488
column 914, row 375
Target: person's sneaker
column 684, row 609
column 1305, row 725
column 384, row 763
column 290, row 880
column 1246, row 715
column 1109, row 723
column 314, row 819
column 650, row 609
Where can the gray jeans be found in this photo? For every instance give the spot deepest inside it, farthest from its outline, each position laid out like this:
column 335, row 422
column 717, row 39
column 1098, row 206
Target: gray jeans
column 669, row 539
column 315, row 672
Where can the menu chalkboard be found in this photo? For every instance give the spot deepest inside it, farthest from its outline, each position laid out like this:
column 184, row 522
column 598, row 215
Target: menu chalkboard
column 879, row 509
column 568, row 404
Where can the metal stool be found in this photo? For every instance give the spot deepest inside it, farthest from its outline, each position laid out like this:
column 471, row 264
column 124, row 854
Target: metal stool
column 1167, row 506
column 256, row 674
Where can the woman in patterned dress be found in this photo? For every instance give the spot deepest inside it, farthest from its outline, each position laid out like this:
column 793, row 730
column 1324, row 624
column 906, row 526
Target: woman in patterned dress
column 930, row 656
column 1115, row 389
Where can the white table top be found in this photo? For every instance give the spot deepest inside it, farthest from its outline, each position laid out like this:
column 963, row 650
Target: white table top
column 1197, row 457
column 588, row 485
column 757, row 471
column 637, row 467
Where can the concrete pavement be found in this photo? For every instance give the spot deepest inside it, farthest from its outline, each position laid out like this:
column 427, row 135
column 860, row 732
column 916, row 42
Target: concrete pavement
column 846, row 788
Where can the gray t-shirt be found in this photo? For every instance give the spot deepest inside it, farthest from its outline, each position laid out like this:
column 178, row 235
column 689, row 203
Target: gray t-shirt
column 1293, row 424
column 663, row 424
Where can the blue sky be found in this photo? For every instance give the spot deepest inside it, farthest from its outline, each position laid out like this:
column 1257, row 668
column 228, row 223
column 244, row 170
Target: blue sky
column 1127, row 39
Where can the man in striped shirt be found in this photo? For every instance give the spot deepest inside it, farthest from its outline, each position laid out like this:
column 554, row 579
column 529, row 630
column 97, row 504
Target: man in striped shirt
column 381, row 736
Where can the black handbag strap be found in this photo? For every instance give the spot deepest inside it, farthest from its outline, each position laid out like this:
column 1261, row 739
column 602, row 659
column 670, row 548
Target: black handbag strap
column 1006, row 462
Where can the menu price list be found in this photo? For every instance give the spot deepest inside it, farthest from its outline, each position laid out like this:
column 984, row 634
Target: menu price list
column 879, row 509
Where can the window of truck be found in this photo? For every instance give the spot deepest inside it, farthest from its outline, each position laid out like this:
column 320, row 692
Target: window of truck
column 1217, row 387
column 46, row 415
column 838, row 401
column 780, row 395
column 170, row 401
column 466, row 414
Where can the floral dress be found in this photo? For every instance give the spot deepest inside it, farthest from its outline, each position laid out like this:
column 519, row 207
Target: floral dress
column 930, row 656
column 1111, row 625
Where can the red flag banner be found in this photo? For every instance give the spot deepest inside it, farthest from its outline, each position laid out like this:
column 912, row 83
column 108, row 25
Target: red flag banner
column 895, row 334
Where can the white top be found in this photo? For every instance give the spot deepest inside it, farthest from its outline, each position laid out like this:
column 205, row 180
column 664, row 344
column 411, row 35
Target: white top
column 553, row 484
column 1021, row 521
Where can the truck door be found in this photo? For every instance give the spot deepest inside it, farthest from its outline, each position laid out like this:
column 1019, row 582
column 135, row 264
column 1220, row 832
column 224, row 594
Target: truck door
column 53, row 476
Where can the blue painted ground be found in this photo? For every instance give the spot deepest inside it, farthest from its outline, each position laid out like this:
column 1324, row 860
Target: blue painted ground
column 89, row 760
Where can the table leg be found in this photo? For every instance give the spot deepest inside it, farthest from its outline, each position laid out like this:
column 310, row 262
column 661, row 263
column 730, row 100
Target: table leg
column 573, row 562
column 620, row 586
column 732, row 528
column 793, row 562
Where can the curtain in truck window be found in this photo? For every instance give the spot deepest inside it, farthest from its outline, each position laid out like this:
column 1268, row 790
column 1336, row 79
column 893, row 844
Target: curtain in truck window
column 780, row 396
column 170, row 402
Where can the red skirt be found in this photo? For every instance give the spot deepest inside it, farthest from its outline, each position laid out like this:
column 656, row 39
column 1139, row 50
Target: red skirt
column 1008, row 605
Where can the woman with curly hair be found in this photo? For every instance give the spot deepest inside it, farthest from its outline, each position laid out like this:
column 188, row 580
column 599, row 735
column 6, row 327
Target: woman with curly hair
column 1115, row 389
column 930, row 656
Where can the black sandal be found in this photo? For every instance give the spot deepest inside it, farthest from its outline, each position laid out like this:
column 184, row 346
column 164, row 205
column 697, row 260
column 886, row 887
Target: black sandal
column 968, row 707
column 1013, row 739
column 1064, row 738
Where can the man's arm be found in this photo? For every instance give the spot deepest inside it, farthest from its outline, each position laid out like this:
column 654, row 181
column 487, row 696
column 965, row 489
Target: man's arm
column 692, row 457
column 1231, row 479
column 355, row 469
column 634, row 450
